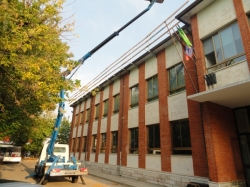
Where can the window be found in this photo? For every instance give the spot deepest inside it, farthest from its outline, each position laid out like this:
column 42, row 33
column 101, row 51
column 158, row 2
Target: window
column 103, row 142
column 181, row 137
column 76, row 123
column 154, row 139
column 152, row 88
column 97, row 111
column 88, row 115
column 78, row 144
column 81, row 118
column 114, row 142
column 116, row 103
column 224, row 48
column 134, row 140
column 106, row 104
column 84, row 143
column 134, row 96
column 94, row 143
column 73, row 145
column 176, row 79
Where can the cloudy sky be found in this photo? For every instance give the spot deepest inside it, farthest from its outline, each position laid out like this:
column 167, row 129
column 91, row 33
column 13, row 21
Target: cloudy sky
column 95, row 20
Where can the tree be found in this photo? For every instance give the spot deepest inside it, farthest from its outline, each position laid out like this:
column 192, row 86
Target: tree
column 38, row 133
column 64, row 132
column 31, row 57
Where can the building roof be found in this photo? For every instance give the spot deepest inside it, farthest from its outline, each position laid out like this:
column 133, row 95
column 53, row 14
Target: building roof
column 192, row 9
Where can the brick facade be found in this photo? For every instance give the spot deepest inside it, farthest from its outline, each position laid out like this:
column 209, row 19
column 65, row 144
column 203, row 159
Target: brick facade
column 142, row 148
column 244, row 27
column 165, row 128
column 214, row 141
column 223, row 153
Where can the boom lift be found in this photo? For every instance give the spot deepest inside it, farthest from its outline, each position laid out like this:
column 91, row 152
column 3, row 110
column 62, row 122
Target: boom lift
column 54, row 158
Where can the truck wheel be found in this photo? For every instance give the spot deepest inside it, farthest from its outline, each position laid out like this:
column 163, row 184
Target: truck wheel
column 74, row 179
column 46, row 180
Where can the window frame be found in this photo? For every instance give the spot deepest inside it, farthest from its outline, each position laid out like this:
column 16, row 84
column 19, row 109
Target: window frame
column 114, row 145
column 213, row 66
column 84, row 143
column 177, row 89
column 155, row 149
column 182, row 150
column 103, row 141
column 136, row 103
column 77, row 118
column 94, row 142
column 116, row 103
column 154, row 95
column 97, row 110
column 134, row 149
column 87, row 115
column 105, row 107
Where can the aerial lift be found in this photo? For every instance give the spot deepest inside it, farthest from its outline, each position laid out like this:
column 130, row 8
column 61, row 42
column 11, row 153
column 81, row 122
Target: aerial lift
column 54, row 159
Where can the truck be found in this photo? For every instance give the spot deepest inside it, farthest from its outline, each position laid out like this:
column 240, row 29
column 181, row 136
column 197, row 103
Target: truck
column 54, row 159
column 10, row 153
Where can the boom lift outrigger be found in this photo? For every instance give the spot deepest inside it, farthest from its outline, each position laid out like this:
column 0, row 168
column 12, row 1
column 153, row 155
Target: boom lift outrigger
column 54, row 164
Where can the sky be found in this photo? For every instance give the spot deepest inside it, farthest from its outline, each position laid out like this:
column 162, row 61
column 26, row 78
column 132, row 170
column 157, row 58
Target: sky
column 95, row 20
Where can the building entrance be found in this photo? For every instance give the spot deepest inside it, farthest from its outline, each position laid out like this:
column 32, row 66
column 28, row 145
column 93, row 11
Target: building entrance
column 242, row 116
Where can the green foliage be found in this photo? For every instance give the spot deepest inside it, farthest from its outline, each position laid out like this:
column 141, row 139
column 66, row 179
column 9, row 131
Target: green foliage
column 64, row 132
column 41, row 130
column 31, row 57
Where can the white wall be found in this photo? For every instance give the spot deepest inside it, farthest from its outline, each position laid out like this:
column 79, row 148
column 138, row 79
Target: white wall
column 231, row 74
column 97, row 98
column 74, row 132
column 133, row 117
column 104, row 125
column 246, row 4
column 215, row 16
column 172, row 54
column 85, row 129
column 79, row 131
column 116, row 87
column 101, row 157
column 94, row 127
column 112, row 158
column 115, row 122
column 152, row 113
column 132, row 160
column 134, row 77
column 177, row 106
column 182, row 165
column 92, row 157
column 106, row 93
column 77, row 108
column 88, row 103
column 151, row 67
column 153, row 162
column 82, row 106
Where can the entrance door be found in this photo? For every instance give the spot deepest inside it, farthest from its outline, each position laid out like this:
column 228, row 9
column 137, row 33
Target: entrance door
column 242, row 116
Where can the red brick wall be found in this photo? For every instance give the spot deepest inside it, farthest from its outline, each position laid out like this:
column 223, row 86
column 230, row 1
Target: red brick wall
column 200, row 57
column 90, row 125
column 142, row 127
column 77, row 125
column 195, row 84
column 98, row 144
column 244, row 27
column 165, row 128
column 108, row 133
column 72, row 129
column 83, row 121
column 124, row 114
column 222, row 144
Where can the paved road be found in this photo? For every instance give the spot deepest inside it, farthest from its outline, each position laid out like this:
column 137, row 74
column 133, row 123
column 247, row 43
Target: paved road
column 20, row 171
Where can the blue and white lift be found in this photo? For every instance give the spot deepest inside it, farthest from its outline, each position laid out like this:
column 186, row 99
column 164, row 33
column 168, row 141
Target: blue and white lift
column 54, row 159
